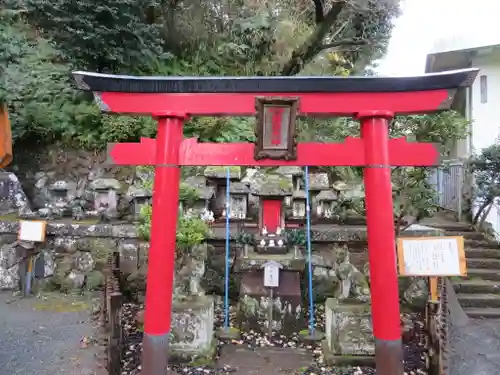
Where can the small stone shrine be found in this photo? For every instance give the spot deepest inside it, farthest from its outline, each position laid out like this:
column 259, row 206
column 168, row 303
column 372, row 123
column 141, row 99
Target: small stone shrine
column 270, row 245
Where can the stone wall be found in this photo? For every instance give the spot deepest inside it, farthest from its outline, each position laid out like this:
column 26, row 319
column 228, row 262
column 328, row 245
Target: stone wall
column 74, row 255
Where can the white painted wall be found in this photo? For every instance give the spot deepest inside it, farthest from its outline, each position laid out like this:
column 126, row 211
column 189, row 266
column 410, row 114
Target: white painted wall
column 486, row 116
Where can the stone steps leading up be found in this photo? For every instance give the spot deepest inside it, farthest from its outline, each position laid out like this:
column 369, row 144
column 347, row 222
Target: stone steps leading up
column 474, row 236
column 480, row 244
column 479, row 300
column 448, row 226
column 477, row 286
column 483, row 273
column 478, row 292
column 472, row 253
column 484, row 263
column 484, row 313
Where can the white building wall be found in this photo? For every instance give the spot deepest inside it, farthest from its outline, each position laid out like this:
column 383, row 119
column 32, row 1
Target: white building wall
column 486, row 115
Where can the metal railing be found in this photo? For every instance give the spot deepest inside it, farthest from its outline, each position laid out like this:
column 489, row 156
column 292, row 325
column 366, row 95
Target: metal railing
column 449, row 180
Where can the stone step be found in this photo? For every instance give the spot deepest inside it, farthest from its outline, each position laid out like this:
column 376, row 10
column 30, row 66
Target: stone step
column 482, row 253
column 481, row 244
column 480, row 300
column 483, row 313
column 477, row 286
column 448, row 226
column 483, row 273
column 485, row 263
column 478, row 236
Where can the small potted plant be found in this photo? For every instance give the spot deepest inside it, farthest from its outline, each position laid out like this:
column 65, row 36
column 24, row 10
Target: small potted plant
column 247, row 240
column 296, row 238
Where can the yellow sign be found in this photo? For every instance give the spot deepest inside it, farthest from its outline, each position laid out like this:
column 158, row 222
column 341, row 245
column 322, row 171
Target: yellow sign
column 431, row 256
column 5, row 137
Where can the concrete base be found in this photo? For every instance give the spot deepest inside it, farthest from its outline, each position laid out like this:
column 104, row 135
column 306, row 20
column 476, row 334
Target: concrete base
column 332, row 359
column 192, row 334
column 310, row 338
column 229, row 333
column 348, row 328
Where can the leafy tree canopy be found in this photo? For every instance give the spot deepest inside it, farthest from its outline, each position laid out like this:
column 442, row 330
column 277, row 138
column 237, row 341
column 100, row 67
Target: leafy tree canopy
column 41, row 42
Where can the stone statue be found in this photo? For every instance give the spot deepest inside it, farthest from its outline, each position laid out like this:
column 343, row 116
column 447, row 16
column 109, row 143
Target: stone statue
column 190, row 268
column 352, row 283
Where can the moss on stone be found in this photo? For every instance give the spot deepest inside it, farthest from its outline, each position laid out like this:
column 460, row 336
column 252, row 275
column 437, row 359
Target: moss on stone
column 220, row 172
column 95, row 279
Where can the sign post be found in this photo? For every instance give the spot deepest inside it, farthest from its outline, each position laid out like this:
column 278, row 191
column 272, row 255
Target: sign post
column 30, row 233
column 271, row 281
column 432, row 257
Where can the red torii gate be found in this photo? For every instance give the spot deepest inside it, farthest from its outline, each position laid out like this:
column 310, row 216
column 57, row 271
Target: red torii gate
column 276, row 101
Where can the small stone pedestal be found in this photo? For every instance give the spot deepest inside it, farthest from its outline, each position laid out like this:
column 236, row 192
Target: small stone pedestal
column 254, row 303
column 193, row 329
column 349, row 333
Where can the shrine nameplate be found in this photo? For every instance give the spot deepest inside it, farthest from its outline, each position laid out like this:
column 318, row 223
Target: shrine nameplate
column 275, row 128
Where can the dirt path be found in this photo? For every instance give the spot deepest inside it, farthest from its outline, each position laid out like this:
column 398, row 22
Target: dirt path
column 42, row 336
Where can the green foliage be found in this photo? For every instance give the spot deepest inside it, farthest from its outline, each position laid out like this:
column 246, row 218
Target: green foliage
column 42, row 42
column 190, row 231
column 486, row 169
column 245, row 238
column 295, row 237
column 188, row 194
column 103, row 36
column 412, row 194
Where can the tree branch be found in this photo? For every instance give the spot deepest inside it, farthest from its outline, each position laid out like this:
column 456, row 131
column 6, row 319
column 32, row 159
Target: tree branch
column 344, row 43
column 310, row 48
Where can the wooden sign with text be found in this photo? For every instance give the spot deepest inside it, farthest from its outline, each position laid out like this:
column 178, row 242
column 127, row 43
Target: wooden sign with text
column 32, row 230
column 431, row 256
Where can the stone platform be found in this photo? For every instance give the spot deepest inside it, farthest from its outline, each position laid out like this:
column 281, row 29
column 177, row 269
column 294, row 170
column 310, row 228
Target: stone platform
column 264, row 361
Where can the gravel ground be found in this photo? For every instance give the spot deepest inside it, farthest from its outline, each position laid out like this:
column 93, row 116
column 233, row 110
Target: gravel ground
column 413, row 347
column 45, row 336
column 476, row 348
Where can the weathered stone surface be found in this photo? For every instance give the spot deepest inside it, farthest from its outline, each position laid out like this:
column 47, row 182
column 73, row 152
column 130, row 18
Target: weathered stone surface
column 129, row 256
column 348, row 328
column 254, row 303
column 105, row 184
column 12, row 196
column 219, row 172
column 318, row 181
column 193, row 328
column 416, row 292
column 9, row 277
column 204, row 191
column 290, row 171
column 273, row 184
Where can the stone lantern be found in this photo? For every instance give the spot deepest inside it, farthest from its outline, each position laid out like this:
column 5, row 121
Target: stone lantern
column 106, row 194
column 238, row 200
column 205, row 193
column 138, row 197
column 326, row 202
column 299, row 204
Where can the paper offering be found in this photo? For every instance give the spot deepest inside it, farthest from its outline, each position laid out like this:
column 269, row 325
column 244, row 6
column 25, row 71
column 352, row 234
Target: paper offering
column 33, row 231
column 431, row 256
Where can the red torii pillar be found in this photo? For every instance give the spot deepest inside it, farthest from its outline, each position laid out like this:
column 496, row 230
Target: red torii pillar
column 373, row 100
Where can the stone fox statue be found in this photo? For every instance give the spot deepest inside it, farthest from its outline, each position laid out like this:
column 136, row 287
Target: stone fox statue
column 190, row 268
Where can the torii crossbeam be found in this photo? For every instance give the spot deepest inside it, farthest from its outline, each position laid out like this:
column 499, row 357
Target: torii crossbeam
column 276, row 101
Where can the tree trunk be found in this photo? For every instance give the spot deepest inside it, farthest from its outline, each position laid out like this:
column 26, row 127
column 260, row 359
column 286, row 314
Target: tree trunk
column 480, row 210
